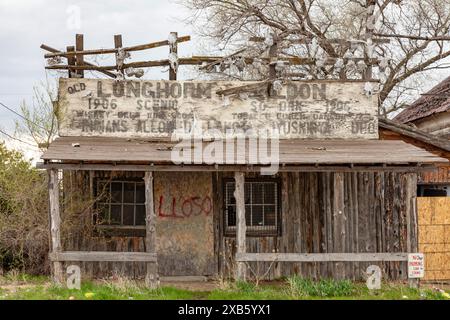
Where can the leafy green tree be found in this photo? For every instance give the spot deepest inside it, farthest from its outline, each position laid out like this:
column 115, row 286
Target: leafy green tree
column 23, row 214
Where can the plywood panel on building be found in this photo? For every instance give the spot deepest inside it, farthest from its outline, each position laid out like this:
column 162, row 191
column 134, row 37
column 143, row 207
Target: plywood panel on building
column 434, row 236
column 184, row 209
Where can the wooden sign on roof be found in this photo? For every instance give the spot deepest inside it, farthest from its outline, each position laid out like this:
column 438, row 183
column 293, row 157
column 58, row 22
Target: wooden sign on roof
column 159, row 109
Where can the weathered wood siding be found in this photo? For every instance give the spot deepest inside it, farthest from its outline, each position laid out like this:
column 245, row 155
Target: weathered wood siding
column 369, row 214
column 373, row 218
column 441, row 175
column 184, row 225
column 434, row 236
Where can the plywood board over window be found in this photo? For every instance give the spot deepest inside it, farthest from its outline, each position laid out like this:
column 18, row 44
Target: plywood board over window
column 434, row 236
column 184, row 209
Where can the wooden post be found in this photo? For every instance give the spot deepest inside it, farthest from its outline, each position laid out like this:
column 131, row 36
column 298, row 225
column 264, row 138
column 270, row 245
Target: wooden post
column 369, row 36
column 339, row 221
column 55, row 222
column 118, row 44
column 71, row 60
column 412, row 240
column 151, row 277
column 174, row 49
column 241, row 226
column 273, row 53
column 79, row 46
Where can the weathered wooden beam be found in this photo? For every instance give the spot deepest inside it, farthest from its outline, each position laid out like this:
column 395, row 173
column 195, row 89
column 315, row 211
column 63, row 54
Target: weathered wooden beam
column 368, row 36
column 412, row 37
column 244, row 88
column 71, row 63
column 332, row 41
column 415, row 133
column 199, row 61
column 218, row 59
column 111, row 51
column 339, row 221
column 173, row 50
column 118, row 45
column 321, row 257
column 79, row 46
column 241, row 227
column 99, row 256
column 151, row 277
column 412, row 241
column 55, row 222
column 273, row 54
column 50, row 49
column 229, row 168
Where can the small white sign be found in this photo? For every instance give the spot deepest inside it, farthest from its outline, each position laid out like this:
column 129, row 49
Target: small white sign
column 416, row 265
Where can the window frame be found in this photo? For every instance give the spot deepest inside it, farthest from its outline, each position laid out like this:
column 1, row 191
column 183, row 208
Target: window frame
column 442, row 186
column 108, row 228
column 252, row 231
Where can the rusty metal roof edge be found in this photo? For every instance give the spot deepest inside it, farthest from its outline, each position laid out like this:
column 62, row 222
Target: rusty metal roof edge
column 414, row 133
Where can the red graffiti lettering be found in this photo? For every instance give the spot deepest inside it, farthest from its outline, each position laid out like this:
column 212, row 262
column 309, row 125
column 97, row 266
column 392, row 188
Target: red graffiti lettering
column 162, row 214
column 207, row 201
column 186, row 207
column 187, row 212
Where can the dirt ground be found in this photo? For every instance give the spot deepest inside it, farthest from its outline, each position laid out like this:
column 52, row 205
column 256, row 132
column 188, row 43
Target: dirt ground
column 192, row 285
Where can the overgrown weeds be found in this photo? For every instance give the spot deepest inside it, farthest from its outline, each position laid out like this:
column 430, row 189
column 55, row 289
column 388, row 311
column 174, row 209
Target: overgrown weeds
column 301, row 287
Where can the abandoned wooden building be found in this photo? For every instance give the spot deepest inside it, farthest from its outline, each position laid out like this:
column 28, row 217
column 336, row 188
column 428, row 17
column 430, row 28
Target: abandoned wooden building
column 340, row 198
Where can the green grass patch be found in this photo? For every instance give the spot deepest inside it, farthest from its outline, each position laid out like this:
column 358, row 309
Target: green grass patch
column 22, row 287
column 322, row 288
column 91, row 291
column 22, row 278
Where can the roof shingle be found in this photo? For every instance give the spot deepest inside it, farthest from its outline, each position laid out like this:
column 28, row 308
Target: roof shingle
column 436, row 100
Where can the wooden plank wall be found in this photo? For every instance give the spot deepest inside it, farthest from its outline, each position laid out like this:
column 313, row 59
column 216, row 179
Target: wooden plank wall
column 374, row 220
column 184, row 225
column 442, row 175
column 78, row 187
column 434, row 236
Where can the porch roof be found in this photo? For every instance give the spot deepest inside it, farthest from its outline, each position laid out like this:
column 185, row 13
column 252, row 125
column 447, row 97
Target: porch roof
column 291, row 152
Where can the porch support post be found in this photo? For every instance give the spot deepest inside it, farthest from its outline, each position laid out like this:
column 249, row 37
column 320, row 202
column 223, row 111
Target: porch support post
column 55, row 222
column 240, row 223
column 339, row 218
column 173, row 49
column 412, row 241
column 151, row 277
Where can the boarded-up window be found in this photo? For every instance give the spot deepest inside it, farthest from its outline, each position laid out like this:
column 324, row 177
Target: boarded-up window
column 120, row 203
column 433, row 191
column 262, row 207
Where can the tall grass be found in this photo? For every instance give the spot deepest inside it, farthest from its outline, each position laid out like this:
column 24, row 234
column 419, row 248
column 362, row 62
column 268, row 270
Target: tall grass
column 301, row 287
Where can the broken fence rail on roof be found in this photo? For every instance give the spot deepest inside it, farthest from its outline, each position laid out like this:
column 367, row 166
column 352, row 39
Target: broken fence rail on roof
column 76, row 64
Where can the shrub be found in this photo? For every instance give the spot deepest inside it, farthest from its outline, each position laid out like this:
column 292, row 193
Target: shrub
column 23, row 214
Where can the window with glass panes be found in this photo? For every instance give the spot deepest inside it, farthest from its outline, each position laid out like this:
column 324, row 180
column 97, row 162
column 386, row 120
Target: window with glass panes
column 120, row 203
column 262, row 207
